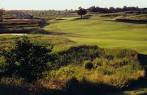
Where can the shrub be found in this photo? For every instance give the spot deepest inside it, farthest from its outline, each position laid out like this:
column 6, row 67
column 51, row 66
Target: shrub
column 27, row 60
column 88, row 65
column 100, row 62
column 11, row 81
column 2, row 64
column 78, row 55
column 106, row 70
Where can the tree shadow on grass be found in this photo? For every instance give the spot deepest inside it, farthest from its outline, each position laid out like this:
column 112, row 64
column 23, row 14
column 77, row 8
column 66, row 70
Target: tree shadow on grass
column 12, row 90
column 132, row 21
column 84, row 87
column 75, row 87
column 72, row 87
column 137, row 84
column 142, row 82
column 26, row 89
column 143, row 61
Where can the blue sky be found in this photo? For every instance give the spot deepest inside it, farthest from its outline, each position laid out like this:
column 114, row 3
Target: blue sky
column 67, row 4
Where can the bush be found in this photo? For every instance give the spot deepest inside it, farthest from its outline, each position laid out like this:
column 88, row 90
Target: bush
column 88, row 65
column 27, row 60
column 78, row 54
column 82, row 12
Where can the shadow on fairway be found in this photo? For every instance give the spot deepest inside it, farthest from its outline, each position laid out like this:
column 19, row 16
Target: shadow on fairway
column 132, row 21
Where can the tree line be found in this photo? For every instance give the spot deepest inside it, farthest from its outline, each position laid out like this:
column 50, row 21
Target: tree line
column 113, row 10
column 56, row 13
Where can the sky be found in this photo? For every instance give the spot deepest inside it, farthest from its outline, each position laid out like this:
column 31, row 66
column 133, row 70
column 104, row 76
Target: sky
column 66, row 4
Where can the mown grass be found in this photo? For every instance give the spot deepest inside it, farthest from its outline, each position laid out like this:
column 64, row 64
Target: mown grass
column 103, row 33
column 93, row 31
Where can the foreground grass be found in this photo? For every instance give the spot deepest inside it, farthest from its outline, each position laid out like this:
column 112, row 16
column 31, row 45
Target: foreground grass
column 117, row 69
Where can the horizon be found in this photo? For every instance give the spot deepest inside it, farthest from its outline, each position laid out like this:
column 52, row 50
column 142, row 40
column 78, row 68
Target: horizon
column 64, row 4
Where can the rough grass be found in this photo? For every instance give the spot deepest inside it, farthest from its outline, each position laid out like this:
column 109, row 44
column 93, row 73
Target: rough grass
column 114, row 68
column 60, row 43
column 111, row 69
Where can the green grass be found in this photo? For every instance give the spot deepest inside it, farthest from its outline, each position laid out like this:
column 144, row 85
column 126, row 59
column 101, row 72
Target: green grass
column 107, row 34
column 104, row 73
column 94, row 31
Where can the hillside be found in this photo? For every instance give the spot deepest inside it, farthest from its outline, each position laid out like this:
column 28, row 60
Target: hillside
column 96, row 55
column 105, row 33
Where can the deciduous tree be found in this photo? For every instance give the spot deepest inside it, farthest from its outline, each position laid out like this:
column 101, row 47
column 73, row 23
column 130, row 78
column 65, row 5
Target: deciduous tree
column 81, row 12
column 27, row 60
